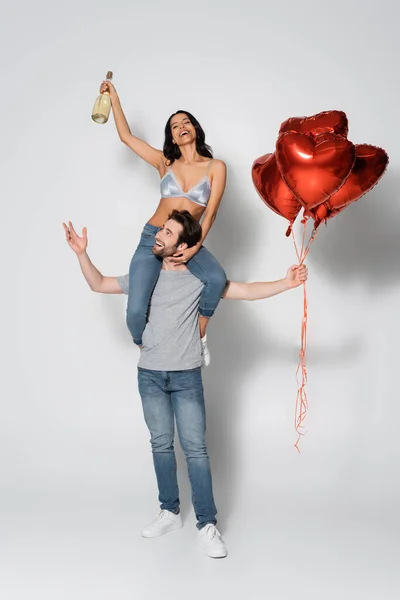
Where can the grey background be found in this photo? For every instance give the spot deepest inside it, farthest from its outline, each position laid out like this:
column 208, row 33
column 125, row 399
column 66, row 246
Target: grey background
column 76, row 472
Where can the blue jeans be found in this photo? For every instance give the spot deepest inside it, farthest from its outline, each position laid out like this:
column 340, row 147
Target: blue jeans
column 166, row 394
column 145, row 269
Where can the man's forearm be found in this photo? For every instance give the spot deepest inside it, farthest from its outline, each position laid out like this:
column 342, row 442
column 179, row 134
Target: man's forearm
column 96, row 281
column 255, row 291
column 92, row 275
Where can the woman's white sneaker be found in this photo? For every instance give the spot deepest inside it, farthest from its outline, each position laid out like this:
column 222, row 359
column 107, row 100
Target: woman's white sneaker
column 210, row 540
column 205, row 353
column 165, row 521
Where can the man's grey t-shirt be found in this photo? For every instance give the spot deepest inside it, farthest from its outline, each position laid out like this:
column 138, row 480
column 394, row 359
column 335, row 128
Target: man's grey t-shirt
column 171, row 339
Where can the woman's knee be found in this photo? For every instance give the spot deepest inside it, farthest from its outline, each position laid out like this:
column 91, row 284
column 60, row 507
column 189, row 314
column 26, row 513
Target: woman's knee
column 216, row 277
column 214, row 287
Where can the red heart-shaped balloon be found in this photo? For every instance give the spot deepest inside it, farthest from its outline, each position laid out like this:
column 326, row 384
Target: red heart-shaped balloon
column 322, row 212
column 368, row 168
column 314, row 170
column 272, row 189
column 330, row 121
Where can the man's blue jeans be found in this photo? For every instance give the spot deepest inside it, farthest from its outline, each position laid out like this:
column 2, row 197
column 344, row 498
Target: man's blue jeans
column 179, row 394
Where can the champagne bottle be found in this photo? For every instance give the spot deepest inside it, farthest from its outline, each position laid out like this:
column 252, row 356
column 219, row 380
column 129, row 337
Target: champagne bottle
column 102, row 106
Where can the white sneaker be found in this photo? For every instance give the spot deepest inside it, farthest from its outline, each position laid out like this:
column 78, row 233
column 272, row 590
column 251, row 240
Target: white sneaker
column 205, row 353
column 210, row 540
column 165, row 521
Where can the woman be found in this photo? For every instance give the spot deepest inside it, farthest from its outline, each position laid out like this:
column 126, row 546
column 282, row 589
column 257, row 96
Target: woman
column 185, row 163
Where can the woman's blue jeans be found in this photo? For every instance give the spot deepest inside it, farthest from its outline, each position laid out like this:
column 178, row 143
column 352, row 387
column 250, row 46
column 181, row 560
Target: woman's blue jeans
column 145, row 269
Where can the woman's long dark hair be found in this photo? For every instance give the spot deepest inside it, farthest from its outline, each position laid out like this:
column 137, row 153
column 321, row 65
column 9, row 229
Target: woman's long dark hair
column 171, row 150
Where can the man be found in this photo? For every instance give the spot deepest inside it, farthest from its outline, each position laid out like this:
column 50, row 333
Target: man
column 169, row 370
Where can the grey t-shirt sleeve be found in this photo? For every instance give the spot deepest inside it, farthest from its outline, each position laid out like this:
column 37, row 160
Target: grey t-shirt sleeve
column 123, row 282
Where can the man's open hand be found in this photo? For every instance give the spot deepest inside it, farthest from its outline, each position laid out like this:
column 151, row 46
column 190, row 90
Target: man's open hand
column 74, row 241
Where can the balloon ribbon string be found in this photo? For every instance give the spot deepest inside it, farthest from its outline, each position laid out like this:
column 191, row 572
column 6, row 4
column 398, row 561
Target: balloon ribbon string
column 301, row 372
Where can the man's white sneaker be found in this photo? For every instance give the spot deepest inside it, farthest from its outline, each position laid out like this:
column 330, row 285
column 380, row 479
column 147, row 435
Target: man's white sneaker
column 205, row 353
column 165, row 521
column 210, row 540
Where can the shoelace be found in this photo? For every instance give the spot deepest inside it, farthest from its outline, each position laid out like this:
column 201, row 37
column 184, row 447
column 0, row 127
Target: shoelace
column 212, row 532
column 162, row 516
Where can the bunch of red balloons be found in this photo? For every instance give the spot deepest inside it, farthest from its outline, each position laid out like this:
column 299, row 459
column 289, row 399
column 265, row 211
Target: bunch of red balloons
column 316, row 167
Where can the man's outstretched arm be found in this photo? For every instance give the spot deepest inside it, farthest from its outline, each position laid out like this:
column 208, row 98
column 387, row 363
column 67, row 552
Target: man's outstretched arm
column 259, row 290
column 96, row 281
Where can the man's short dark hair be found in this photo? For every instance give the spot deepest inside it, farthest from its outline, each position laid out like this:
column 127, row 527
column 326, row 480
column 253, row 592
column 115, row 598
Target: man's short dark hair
column 191, row 229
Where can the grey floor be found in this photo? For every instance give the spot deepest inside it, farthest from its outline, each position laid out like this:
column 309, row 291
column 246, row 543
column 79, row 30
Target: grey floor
column 279, row 550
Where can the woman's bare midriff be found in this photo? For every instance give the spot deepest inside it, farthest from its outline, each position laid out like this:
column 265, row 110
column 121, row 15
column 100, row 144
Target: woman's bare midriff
column 167, row 205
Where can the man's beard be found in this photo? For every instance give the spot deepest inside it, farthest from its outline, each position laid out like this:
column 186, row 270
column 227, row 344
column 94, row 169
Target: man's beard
column 163, row 252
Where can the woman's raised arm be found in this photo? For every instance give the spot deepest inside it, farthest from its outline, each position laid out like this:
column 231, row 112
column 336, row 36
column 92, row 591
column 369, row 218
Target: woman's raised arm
column 151, row 155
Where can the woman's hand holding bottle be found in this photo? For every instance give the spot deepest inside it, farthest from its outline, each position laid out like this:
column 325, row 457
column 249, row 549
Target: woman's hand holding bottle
column 107, row 86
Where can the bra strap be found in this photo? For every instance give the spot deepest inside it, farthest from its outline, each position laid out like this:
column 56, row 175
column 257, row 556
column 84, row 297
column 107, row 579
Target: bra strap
column 209, row 165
